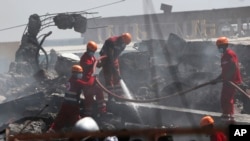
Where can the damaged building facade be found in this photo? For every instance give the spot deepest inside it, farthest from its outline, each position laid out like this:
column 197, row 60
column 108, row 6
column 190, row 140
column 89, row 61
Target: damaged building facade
column 203, row 24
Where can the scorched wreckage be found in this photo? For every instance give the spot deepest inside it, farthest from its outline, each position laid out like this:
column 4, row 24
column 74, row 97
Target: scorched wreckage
column 168, row 82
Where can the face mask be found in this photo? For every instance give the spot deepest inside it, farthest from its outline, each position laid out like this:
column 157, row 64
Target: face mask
column 221, row 50
column 91, row 53
column 79, row 75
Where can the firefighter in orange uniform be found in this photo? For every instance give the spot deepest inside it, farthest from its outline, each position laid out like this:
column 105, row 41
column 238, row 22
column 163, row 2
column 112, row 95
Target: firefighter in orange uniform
column 207, row 122
column 87, row 61
column 112, row 48
column 230, row 72
column 69, row 112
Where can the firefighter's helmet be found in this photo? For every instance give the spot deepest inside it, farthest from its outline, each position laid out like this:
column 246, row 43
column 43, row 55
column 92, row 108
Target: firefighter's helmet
column 206, row 120
column 126, row 37
column 92, row 46
column 77, row 68
column 222, row 41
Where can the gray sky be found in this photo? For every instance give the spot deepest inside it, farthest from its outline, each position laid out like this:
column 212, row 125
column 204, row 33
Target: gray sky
column 17, row 12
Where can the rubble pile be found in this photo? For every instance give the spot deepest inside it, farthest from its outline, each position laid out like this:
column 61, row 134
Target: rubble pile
column 159, row 68
column 25, row 95
column 163, row 67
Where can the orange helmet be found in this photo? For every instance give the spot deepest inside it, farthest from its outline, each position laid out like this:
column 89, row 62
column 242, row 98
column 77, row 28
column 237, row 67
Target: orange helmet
column 92, row 46
column 206, row 120
column 222, row 41
column 126, row 37
column 76, row 68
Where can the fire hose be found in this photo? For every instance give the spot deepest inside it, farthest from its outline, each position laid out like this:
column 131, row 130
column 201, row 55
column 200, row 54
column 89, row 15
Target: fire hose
column 143, row 101
column 239, row 89
column 164, row 97
column 149, row 100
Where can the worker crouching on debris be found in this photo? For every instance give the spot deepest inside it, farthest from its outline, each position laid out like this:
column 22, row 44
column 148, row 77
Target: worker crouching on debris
column 69, row 112
column 207, row 123
column 87, row 62
column 230, row 72
column 112, row 48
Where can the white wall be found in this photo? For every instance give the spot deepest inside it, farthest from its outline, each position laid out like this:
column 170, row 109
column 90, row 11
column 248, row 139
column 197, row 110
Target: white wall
column 7, row 55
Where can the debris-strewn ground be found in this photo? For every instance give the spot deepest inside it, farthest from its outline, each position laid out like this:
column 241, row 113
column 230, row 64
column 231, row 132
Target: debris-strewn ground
column 164, row 67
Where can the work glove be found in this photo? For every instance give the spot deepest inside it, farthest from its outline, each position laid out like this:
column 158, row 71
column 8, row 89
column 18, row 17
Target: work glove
column 99, row 64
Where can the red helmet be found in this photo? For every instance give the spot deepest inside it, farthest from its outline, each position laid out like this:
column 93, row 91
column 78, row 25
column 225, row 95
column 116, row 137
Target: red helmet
column 206, row 120
column 126, row 37
column 76, row 68
column 222, row 41
column 92, row 46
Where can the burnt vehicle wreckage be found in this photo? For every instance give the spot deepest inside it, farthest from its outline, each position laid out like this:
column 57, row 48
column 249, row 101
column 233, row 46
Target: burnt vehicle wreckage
column 158, row 75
